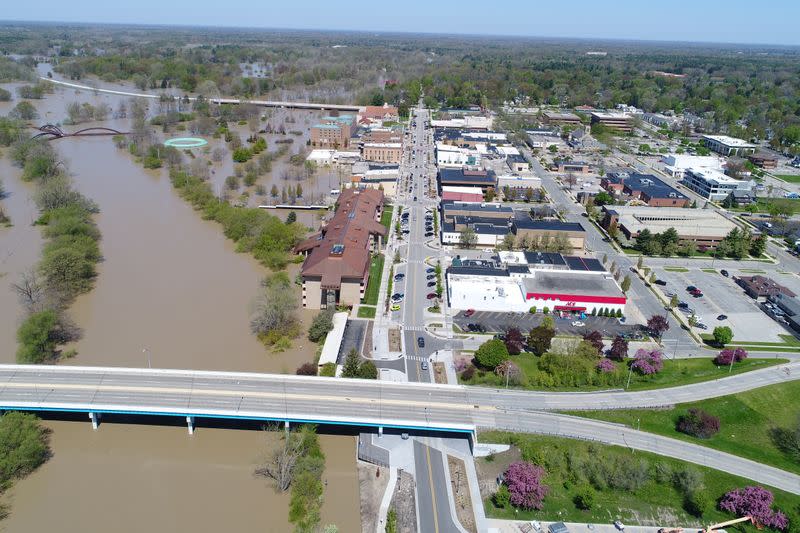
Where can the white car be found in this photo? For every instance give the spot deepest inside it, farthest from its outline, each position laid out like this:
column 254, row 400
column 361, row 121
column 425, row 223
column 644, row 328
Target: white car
column 578, row 324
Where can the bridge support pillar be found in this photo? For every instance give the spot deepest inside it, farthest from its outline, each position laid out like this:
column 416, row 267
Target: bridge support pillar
column 380, row 431
column 190, row 424
column 95, row 418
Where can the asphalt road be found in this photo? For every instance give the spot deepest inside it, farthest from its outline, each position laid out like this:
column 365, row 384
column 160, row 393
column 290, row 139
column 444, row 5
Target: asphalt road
column 434, row 506
column 365, row 402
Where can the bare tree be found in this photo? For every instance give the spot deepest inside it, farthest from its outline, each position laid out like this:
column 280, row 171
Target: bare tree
column 31, row 292
column 279, row 467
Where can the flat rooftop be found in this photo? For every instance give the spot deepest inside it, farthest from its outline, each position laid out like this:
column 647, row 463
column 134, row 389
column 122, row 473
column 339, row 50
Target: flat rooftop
column 611, row 115
column 687, row 222
column 713, row 175
column 729, row 141
column 561, row 282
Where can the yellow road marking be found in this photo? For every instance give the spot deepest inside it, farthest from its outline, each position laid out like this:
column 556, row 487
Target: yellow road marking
column 221, row 392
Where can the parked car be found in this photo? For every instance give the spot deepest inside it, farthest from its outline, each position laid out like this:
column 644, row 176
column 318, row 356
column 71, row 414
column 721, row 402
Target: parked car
column 398, row 296
column 395, row 307
column 619, row 525
column 469, row 312
column 722, row 317
column 430, row 270
column 683, row 305
column 431, row 295
column 661, row 282
column 691, row 288
column 724, row 273
column 421, row 342
column 430, row 277
column 701, row 326
column 431, row 284
column 399, row 276
column 578, row 324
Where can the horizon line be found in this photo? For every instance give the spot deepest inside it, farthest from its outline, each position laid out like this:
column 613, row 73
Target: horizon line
column 400, row 32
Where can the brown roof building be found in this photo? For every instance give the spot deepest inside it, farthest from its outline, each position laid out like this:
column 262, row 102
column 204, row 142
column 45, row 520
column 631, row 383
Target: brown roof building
column 379, row 113
column 761, row 287
column 336, row 268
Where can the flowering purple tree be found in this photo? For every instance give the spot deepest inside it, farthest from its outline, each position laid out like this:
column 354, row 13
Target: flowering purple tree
column 756, row 502
column 647, row 362
column 606, row 365
column 727, row 356
column 524, row 482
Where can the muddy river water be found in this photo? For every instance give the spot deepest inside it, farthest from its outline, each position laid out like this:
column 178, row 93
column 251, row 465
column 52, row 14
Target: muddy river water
column 172, row 284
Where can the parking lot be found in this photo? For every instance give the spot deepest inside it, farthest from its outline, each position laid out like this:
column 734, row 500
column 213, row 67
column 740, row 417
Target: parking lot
column 721, row 296
column 496, row 322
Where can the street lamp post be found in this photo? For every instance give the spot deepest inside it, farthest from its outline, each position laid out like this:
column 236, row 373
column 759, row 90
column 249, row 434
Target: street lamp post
column 147, row 352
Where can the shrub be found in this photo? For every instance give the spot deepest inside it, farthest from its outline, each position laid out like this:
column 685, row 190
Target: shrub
column 754, row 501
column 585, row 498
column 307, row 369
column 722, row 335
column 502, row 497
column 468, row 373
column 648, row 362
column 546, row 310
column 491, row 353
column 24, row 443
column 328, row 370
column 726, row 357
column 606, row 365
column 697, row 503
column 532, row 310
column 540, row 339
column 37, row 337
column 787, row 440
column 698, row 423
column 321, row 325
column 525, row 485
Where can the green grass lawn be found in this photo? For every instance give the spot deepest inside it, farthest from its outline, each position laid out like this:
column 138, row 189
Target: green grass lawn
column 709, row 270
column 676, row 269
column 365, row 311
column 649, row 504
column 791, row 178
column 374, row 284
column 677, row 372
column 386, row 216
column 745, row 421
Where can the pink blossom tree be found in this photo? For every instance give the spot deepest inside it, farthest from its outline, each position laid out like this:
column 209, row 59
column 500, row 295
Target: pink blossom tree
column 524, row 482
column 606, row 365
column 728, row 356
column 647, row 362
column 754, row 501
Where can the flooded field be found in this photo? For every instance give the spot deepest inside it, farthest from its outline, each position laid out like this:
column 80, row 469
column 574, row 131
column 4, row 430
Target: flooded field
column 172, row 284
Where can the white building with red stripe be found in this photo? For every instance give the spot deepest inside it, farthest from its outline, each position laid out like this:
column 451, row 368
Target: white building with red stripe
column 518, row 289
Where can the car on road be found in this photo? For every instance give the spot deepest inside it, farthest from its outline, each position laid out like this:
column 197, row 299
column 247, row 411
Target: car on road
column 722, row 317
column 423, row 364
column 421, row 342
column 469, row 312
column 578, row 324
column 619, row 525
column 661, row 282
column 431, row 295
column 398, row 277
column 724, row 272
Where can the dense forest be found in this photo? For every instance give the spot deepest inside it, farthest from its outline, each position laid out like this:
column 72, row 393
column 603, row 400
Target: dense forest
column 750, row 91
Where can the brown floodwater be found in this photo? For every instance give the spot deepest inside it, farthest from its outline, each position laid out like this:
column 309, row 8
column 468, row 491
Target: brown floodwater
column 125, row 478
column 170, row 282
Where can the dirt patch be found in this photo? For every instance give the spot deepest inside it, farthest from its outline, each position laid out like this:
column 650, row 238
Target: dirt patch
column 438, row 373
column 459, row 483
column 489, row 469
column 394, row 340
column 367, row 349
column 371, row 488
column 404, row 503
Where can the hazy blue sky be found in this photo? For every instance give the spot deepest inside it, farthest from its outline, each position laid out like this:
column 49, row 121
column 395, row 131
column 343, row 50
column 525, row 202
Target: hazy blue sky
column 739, row 21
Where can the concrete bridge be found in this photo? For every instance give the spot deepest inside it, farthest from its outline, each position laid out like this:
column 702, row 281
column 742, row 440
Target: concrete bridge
column 262, row 103
column 413, row 407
